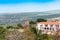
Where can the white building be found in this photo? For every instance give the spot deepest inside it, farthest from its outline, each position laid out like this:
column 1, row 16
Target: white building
column 48, row 27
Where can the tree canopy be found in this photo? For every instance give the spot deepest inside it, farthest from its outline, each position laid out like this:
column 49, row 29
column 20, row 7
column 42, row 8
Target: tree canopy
column 32, row 22
column 19, row 25
column 41, row 20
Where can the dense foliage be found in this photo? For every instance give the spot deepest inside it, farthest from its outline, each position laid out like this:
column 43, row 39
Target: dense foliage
column 19, row 25
column 32, row 22
column 38, row 20
column 9, row 27
column 41, row 20
column 2, row 33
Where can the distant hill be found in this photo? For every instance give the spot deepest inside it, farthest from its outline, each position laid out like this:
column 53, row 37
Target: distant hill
column 22, row 17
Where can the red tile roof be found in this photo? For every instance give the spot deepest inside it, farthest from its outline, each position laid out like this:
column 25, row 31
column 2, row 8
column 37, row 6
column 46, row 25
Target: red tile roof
column 50, row 23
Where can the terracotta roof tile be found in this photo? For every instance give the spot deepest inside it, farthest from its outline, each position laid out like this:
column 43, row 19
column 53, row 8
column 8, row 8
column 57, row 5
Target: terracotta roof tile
column 50, row 23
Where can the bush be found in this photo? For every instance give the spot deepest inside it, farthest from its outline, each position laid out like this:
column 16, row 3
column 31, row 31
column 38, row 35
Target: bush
column 41, row 20
column 10, row 27
column 32, row 22
column 19, row 26
column 2, row 33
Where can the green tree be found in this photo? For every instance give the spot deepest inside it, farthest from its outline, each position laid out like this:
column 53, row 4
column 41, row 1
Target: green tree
column 41, row 20
column 33, row 29
column 19, row 26
column 32, row 22
column 38, row 35
column 10, row 27
column 2, row 33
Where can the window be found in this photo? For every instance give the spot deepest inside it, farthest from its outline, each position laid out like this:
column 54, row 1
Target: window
column 53, row 29
column 41, row 25
column 46, row 25
column 57, row 25
column 45, row 28
column 50, row 28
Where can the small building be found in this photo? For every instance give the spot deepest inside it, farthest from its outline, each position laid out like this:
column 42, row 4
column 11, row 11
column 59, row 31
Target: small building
column 48, row 27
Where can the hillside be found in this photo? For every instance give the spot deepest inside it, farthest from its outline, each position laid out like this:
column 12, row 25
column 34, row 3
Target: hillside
column 22, row 17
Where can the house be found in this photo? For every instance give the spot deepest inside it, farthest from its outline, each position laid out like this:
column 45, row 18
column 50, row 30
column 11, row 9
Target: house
column 48, row 27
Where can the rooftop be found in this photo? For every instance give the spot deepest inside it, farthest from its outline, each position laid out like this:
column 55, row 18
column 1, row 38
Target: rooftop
column 50, row 23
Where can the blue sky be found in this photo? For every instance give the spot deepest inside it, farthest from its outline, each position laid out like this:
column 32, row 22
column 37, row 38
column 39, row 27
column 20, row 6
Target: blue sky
column 23, row 1
column 16, row 6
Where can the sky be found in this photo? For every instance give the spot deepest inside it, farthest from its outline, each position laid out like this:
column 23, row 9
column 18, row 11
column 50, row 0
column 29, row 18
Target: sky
column 17, row 6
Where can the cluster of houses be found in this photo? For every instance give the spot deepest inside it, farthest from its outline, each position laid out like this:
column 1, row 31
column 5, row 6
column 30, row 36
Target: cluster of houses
column 49, row 27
